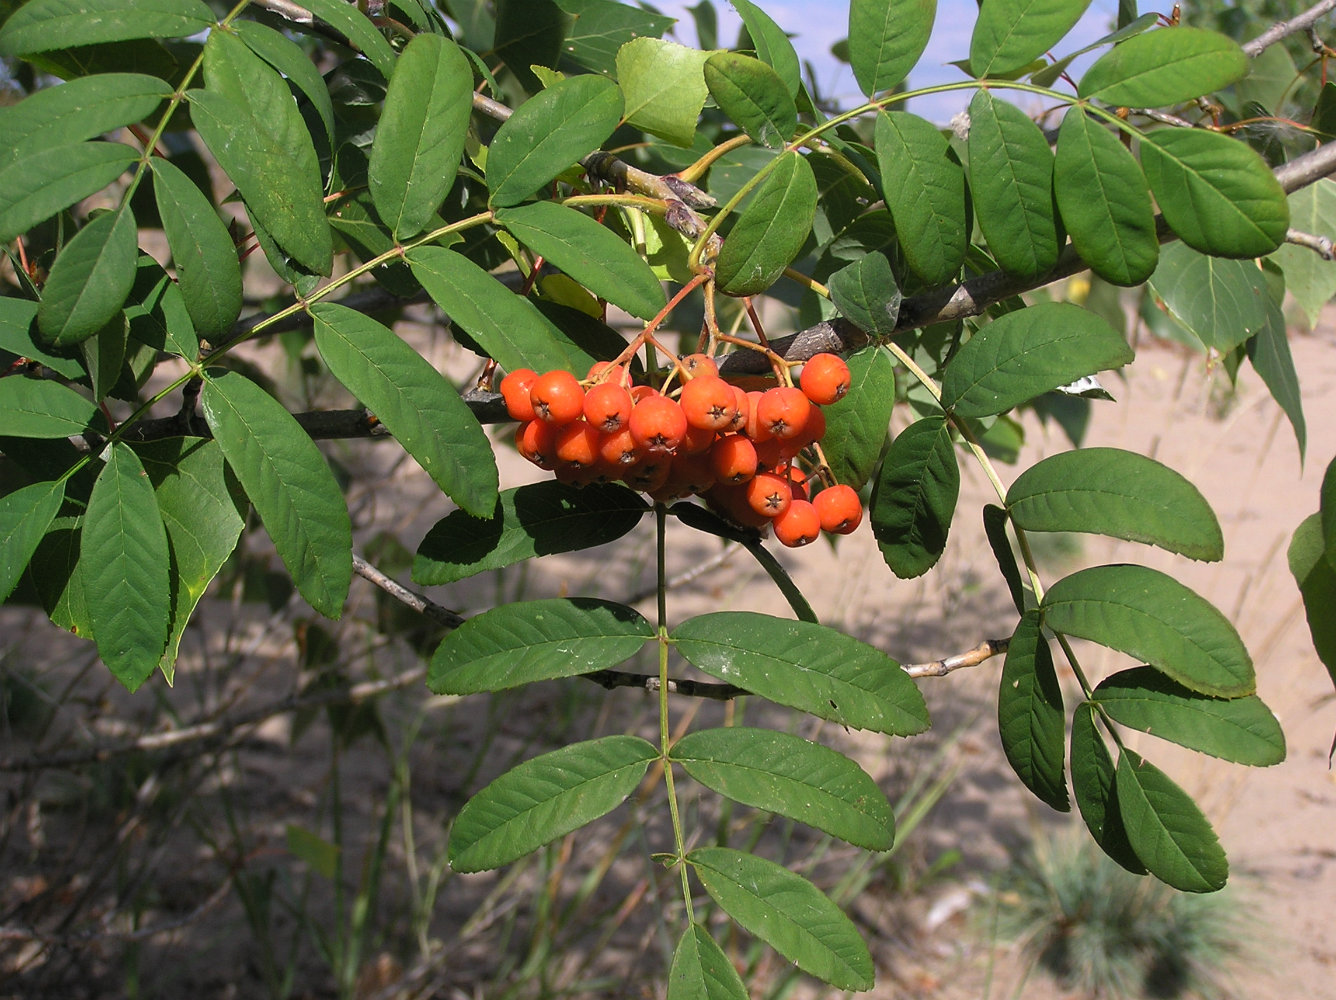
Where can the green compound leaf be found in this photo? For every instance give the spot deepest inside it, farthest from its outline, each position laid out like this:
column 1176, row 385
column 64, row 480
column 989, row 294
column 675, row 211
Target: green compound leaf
column 207, row 268
column 663, row 84
column 1221, row 302
column 866, row 293
column 90, row 280
column 548, row 133
column 25, row 516
column 123, row 552
column 421, row 134
column 41, row 408
column 701, row 970
column 1241, row 730
column 771, row 229
column 507, row 326
column 915, row 497
column 927, row 199
column 78, row 109
column 44, row 25
column 1094, row 784
column 37, row 186
column 753, row 96
column 857, row 425
column 1011, row 34
column 886, row 38
column 1160, row 68
column 1156, row 619
column 1030, row 718
column 536, row 641
column 786, row 774
column 528, row 521
column 410, row 397
column 1026, row 353
column 590, row 253
column 1104, row 201
column 788, row 913
column 545, row 798
column 291, row 60
column 1011, row 183
column 289, row 483
column 1315, row 573
column 354, row 24
column 1215, row 192
column 805, row 666
column 1166, row 829
column 1118, row 493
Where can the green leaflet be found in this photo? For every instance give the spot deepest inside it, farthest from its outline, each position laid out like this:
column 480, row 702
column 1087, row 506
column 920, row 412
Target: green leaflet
column 857, row 425
column 1221, row 302
column 867, row 294
column 663, row 84
column 1010, row 34
column 44, row 25
column 532, row 641
column 1166, row 829
column 1104, row 201
column 288, row 58
column 90, row 279
column 1159, row 68
column 886, row 38
column 926, row 195
column 772, row 44
column 1119, row 493
column 37, row 186
column 1327, row 511
column 805, row 666
column 420, row 137
column 1093, row 782
column 1156, row 619
column 548, row 133
column 17, row 338
column 753, row 96
column 1215, row 192
column 1315, row 574
column 786, row 774
column 602, row 28
column 25, row 516
column 419, row 406
column 545, row 798
column 701, row 970
column 995, row 528
column 528, row 521
column 157, row 313
column 1030, row 718
column 788, row 913
column 1026, row 353
column 1309, row 278
column 41, row 408
column 771, row 229
column 289, row 483
column 1269, row 352
column 124, row 556
column 202, row 250
column 356, row 25
column 1242, row 730
column 915, row 496
column 590, row 253
column 1011, row 184
column 78, row 109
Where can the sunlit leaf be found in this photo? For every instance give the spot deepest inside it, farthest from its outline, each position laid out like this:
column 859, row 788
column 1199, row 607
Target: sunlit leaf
column 43, row 25
column 664, row 87
column 927, row 198
column 701, row 970
column 1164, row 67
column 1166, row 829
column 25, row 515
column 90, row 280
column 203, row 252
column 771, row 229
column 866, row 293
column 857, row 425
column 42, row 408
column 886, row 38
column 1010, row 34
column 78, row 109
column 753, row 96
column 1222, row 302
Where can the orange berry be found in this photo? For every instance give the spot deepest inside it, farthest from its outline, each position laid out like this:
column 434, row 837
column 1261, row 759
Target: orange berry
column 537, row 441
column 515, row 391
column 648, row 475
column 607, row 406
column 768, row 494
column 840, row 509
column 577, row 444
column 798, row 524
column 601, row 372
column 797, row 479
column 697, row 440
column 754, row 429
column 699, row 364
column 814, row 429
column 825, row 378
column 707, row 401
column 619, row 448
column 783, row 411
column 741, row 409
column 733, row 458
column 658, row 423
column 774, row 452
column 557, row 397
column 731, row 502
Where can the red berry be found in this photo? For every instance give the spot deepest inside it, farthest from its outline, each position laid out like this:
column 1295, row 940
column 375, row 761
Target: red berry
column 605, row 371
column 619, row 449
column 699, row 364
column 577, row 444
column 537, row 441
column 708, row 402
column 733, row 458
column 768, row 494
column 783, row 411
column 798, row 524
column 557, row 397
column 607, row 406
column 658, row 423
column 515, row 391
column 825, row 378
column 840, row 509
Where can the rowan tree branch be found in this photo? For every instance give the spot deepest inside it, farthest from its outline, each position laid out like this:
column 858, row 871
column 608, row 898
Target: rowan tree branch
column 1283, row 29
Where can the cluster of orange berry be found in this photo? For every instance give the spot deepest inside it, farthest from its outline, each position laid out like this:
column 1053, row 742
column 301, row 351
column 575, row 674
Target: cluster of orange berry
column 736, row 449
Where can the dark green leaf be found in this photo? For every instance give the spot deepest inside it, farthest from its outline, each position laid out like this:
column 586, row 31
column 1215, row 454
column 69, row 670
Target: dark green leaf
column 355, row 24
column 1104, row 201
column 857, row 425
column 79, row 109
column 205, row 256
column 1011, row 34
column 17, row 329
column 1222, row 302
column 590, row 253
column 37, row 186
column 90, row 280
column 124, row 556
column 1327, row 510
column 522, row 643
column 599, row 29
column 1269, row 352
column 995, row 528
column 545, row 798
column 786, row 774
column 420, row 137
column 1164, row 67
column 1028, row 352
column 788, row 913
column 1118, row 493
column 663, row 84
column 776, row 571
column 1011, row 184
column 927, row 196
column 529, row 521
column 548, row 133
column 771, row 43
column 288, row 58
column 1315, row 574
column 753, row 96
column 104, row 355
column 701, row 970
column 529, row 33
column 1094, row 783
column 44, row 25
column 1215, row 192
column 40, row 408
column 289, row 483
column 1166, row 829
column 805, row 666
column 1239, row 729
column 915, row 496
column 886, row 38
column 1030, row 718
column 1309, row 278
column 771, row 229
column 410, row 397
column 25, row 515
column 866, row 293
column 157, row 313
column 1156, row 619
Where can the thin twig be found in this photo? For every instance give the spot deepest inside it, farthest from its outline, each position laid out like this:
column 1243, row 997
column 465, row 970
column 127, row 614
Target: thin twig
column 411, row 598
column 1320, row 245
column 1283, row 29
column 970, row 658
